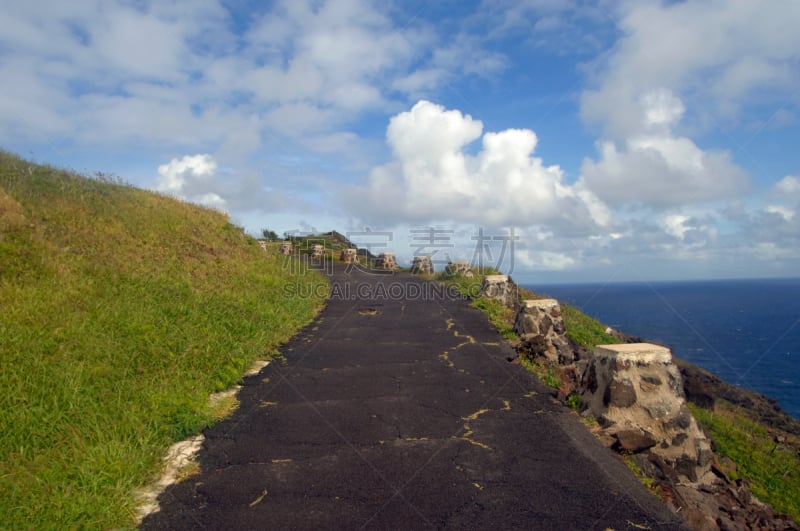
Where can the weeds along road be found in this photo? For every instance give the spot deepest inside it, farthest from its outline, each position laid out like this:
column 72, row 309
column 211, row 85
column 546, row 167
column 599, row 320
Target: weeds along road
column 397, row 408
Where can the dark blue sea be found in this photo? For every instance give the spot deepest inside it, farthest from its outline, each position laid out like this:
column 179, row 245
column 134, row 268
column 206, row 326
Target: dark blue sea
column 747, row 332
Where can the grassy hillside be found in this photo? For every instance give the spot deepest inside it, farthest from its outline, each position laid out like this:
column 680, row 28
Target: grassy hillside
column 120, row 311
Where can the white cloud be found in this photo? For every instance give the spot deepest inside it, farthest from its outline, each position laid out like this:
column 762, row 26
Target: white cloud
column 677, row 64
column 789, row 185
column 545, row 260
column 717, row 52
column 190, row 178
column 675, row 225
column 183, row 74
column 785, row 212
column 662, row 109
column 656, row 167
column 433, row 176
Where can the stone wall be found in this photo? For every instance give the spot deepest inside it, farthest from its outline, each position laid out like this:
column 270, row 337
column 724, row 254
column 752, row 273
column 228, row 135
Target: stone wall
column 349, row 256
column 540, row 325
column 386, row 261
column 317, row 251
column 500, row 288
column 422, row 265
column 458, row 267
column 635, row 392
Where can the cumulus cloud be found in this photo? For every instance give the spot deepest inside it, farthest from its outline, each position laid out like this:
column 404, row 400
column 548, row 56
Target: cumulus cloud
column 789, row 186
column 677, row 67
column 190, row 178
column 433, row 176
column 654, row 166
column 779, row 219
column 717, row 52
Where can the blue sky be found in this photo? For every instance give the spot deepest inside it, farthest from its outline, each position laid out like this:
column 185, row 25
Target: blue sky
column 618, row 140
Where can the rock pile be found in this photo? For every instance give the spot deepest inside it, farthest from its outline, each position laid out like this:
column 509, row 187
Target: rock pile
column 349, row 256
column 317, row 251
column 386, row 261
column 636, row 393
column 422, row 265
column 458, row 267
column 500, row 288
column 540, row 325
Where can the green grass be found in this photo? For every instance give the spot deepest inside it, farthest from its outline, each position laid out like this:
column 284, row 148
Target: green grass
column 468, row 286
column 546, row 373
column 772, row 470
column 584, row 330
column 580, row 327
column 499, row 315
column 120, row 312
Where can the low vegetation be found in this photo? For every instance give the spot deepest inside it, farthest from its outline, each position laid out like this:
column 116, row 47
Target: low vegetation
column 771, row 467
column 120, row 312
column 584, row 330
column 500, row 316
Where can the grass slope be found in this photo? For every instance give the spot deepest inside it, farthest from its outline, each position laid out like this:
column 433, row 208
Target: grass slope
column 120, row 311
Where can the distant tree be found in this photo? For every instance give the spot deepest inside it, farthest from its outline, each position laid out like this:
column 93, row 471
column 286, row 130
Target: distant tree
column 270, row 235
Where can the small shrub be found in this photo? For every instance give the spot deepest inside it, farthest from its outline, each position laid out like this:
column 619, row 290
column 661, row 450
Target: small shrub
column 551, row 379
column 575, row 402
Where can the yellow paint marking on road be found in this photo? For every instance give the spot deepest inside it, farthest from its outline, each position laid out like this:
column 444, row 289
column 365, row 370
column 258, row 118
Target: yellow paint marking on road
column 468, row 437
column 445, row 356
column 477, row 414
column 259, row 499
column 470, row 339
column 276, row 461
column 267, row 404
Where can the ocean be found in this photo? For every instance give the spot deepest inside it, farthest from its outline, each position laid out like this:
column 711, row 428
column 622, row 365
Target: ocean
column 747, row 332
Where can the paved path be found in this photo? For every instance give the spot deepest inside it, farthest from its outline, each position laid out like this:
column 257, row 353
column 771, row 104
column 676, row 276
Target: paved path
column 399, row 410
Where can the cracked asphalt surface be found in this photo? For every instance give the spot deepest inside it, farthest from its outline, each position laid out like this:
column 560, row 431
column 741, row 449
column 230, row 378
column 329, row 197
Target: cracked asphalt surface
column 398, row 408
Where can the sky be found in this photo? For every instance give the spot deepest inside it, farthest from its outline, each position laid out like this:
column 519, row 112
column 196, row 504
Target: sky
column 557, row 140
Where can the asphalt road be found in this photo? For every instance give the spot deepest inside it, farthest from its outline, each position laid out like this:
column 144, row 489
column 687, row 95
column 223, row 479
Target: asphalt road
column 398, row 409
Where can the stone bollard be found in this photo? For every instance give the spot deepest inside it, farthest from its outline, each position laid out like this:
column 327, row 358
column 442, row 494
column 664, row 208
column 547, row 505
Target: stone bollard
column 500, row 288
column 635, row 391
column 422, row 265
column 349, row 256
column 386, row 261
column 458, row 267
column 539, row 322
column 286, row 248
column 317, row 251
